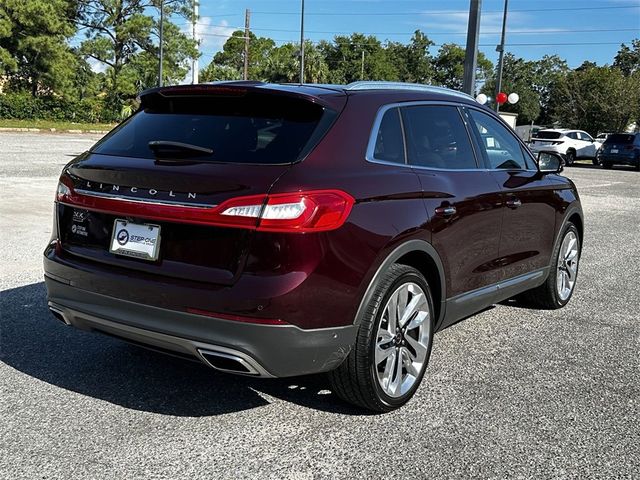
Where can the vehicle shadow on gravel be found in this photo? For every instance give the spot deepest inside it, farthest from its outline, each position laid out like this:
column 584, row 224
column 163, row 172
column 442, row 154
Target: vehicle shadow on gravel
column 33, row 342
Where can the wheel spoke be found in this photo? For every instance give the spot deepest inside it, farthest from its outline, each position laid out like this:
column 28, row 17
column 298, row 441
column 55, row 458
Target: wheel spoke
column 421, row 350
column 392, row 315
column 397, row 375
column 403, row 299
column 389, row 369
column 410, row 365
column 382, row 354
column 418, row 320
column 571, row 255
column 572, row 242
column 416, row 301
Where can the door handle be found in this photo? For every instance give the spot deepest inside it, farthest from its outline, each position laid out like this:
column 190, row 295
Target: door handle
column 513, row 203
column 446, row 211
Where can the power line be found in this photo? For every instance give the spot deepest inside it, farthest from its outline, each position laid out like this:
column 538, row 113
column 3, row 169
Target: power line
column 449, row 12
column 518, row 32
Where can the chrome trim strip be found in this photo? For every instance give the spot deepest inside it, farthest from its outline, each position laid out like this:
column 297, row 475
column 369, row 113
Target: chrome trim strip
column 383, row 85
column 113, row 196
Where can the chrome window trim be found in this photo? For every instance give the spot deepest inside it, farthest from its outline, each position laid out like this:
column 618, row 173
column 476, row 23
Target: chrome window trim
column 373, row 135
column 113, row 196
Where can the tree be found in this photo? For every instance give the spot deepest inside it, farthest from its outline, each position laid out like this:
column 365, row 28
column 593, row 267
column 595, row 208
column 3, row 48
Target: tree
column 33, row 44
column 217, row 73
column 414, row 62
column 232, row 54
column 531, row 80
column 120, row 35
column 344, row 57
column 596, row 99
column 628, row 58
column 449, row 67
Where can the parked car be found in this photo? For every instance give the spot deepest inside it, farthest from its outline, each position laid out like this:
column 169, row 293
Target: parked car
column 281, row 230
column 571, row 144
column 620, row 149
column 602, row 137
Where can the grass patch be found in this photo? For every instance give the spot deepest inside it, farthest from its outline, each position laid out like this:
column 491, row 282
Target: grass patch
column 47, row 124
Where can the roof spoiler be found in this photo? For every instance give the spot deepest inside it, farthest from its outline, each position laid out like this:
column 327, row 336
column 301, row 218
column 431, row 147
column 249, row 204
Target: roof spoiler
column 233, row 89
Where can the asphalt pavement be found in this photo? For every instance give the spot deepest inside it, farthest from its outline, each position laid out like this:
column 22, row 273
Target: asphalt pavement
column 509, row 393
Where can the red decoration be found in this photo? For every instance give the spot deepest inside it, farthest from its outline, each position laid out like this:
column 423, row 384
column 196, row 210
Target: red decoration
column 501, row 98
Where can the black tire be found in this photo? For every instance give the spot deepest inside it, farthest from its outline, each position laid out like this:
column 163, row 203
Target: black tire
column 595, row 161
column 570, row 157
column 606, row 165
column 546, row 296
column 355, row 380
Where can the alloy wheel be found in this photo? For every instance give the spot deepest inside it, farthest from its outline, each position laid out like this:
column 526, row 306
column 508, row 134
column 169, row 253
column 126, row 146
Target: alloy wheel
column 402, row 340
column 567, row 265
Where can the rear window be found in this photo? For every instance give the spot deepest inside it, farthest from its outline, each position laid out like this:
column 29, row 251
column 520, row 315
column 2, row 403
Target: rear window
column 551, row 135
column 622, row 138
column 253, row 128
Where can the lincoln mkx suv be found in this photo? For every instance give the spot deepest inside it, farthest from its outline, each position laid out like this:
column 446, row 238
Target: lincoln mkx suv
column 282, row 230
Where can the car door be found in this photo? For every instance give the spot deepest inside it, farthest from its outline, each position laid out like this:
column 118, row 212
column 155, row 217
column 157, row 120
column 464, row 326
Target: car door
column 587, row 146
column 528, row 215
column 462, row 200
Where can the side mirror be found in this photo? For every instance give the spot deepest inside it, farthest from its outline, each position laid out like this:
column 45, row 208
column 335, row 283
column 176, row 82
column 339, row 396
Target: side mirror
column 549, row 162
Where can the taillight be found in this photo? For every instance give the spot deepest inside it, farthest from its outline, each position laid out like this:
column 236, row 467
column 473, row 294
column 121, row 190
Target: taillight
column 310, row 211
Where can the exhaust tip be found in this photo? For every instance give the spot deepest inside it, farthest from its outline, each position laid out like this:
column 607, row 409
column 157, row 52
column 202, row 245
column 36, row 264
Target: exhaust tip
column 227, row 362
column 59, row 314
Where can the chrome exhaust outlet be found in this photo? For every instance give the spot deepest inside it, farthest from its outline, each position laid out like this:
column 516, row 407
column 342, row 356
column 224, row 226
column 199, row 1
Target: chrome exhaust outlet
column 231, row 361
column 59, row 314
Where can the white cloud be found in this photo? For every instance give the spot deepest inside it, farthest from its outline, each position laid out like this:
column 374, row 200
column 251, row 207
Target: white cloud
column 211, row 36
column 96, row 66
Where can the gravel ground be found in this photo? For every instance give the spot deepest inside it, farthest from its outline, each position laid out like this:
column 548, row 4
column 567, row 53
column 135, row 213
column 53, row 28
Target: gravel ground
column 510, row 392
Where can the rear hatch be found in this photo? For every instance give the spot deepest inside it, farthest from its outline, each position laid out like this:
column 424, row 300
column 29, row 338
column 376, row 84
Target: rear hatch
column 161, row 175
column 546, row 138
column 620, row 144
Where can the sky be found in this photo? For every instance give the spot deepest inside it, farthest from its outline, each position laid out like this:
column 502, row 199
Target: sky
column 576, row 30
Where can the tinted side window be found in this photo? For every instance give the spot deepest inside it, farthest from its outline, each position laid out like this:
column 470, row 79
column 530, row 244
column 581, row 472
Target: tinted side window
column 500, row 145
column 437, row 137
column 389, row 140
column 585, row 136
column 572, row 135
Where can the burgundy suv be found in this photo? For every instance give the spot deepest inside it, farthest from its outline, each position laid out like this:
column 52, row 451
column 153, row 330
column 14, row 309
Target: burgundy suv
column 280, row 230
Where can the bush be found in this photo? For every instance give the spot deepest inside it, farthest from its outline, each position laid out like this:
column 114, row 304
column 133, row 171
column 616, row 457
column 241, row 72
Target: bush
column 24, row 106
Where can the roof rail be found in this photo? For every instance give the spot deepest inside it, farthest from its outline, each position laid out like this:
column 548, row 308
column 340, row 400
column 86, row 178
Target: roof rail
column 376, row 85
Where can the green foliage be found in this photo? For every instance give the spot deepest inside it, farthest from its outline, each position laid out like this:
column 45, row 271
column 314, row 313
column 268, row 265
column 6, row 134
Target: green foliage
column 23, row 105
column 628, row 58
column 449, row 67
column 232, row 54
column 122, row 36
column 33, row 44
column 596, row 99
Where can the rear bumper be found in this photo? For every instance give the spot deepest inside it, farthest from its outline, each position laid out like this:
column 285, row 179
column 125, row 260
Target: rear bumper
column 619, row 160
column 262, row 350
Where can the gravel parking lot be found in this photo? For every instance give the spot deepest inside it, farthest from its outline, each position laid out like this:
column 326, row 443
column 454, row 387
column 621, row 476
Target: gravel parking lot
column 510, row 392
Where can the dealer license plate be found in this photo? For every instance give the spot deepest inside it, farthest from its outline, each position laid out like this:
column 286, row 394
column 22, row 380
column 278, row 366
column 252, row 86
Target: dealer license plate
column 614, row 150
column 138, row 240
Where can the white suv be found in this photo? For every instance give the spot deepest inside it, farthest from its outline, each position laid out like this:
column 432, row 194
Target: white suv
column 571, row 144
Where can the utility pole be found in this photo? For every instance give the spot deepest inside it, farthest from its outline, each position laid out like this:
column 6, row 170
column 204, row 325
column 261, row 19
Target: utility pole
column 247, row 15
column 362, row 68
column 161, row 42
column 471, row 57
column 194, row 63
column 500, row 48
column 302, row 42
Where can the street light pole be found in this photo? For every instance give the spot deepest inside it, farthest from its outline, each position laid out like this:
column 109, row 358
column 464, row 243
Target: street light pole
column 161, row 42
column 500, row 48
column 471, row 56
column 302, row 42
column 195, row 66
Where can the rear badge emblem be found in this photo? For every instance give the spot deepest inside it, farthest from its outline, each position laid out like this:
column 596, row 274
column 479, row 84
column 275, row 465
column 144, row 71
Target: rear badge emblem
column 123, row 237
column 80, row 215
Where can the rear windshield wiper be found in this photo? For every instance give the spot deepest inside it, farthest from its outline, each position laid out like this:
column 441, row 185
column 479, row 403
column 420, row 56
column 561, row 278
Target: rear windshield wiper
column 165, row 147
